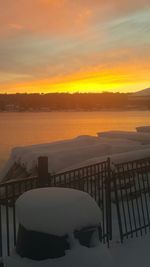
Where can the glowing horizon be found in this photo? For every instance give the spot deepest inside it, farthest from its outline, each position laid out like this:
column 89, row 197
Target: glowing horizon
column 66, row 46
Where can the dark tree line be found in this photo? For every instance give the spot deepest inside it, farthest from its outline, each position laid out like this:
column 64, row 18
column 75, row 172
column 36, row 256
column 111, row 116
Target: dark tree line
column 65, row 101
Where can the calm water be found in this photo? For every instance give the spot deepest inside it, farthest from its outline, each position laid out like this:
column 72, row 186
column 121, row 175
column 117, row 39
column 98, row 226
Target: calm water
column 19, row 129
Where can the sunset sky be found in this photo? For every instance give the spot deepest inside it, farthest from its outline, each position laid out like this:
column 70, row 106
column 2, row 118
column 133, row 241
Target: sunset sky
column 74, row 45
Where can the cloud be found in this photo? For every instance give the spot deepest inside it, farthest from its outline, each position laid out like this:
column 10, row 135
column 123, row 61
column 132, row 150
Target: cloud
column 64, row 40
column 61, row 16
column 16, row 27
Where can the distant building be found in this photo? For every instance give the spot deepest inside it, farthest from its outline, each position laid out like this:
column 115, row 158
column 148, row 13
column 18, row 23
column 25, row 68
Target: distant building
column 11, row 107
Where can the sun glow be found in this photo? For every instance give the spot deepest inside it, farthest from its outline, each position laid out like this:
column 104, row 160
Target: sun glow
column 122, row 78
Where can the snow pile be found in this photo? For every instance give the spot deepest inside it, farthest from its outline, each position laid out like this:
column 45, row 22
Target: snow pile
column 78, row 257
column 115, row 158
column 61, row 210
column 133, row 252
column 64, row 154
column 60, row 154
column 143, row 138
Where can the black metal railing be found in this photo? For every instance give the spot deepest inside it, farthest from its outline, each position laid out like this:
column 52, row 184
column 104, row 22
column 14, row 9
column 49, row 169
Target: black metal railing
column 9, row 192
column 132, row 197
column 127, row 186
column 95, row 180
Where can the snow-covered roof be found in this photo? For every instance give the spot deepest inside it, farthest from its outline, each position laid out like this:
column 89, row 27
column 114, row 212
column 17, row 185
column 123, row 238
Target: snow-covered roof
column 57, row 210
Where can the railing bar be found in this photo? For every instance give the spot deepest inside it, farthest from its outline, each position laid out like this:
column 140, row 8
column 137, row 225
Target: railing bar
column 91, row 182
column 138, row 229
column 103, row 208
column 145, row 195
column 131, row 161
column 100, row 178
column 16, row 181
column 143, row 213
column 14, row 215
column 132, row 202
column 137, row 204
column 148, row 185
column 83, row 180
column 84, row 167
column 122, row 201
column 128, row 202
column 115, row 177
column 69, row 178
column 95, row 183
column 1, row 238
column 7, row 221
column 87, row 181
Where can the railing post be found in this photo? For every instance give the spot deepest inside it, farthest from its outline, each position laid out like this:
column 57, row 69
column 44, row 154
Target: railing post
column 1, row 241
column 115, row 177
column 43, row 175
column 108, row 202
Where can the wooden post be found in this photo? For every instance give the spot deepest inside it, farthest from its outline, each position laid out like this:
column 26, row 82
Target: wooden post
column 43, row 174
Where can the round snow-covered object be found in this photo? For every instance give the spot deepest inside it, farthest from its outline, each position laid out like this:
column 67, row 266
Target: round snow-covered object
column 57, row 211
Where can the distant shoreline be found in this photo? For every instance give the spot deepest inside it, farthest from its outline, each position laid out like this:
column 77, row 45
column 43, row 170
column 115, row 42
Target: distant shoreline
column 75, row 110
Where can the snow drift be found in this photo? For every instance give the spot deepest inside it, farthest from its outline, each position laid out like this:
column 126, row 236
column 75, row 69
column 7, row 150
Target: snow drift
column 79, row 151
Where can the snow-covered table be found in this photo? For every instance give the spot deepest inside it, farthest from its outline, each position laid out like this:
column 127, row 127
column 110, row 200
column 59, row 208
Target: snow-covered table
column 59, row 212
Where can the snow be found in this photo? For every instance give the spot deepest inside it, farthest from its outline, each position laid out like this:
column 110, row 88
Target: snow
column 57, row 211
column 61, row 154
column 64, row 154
column 115, row 158
column 143, row 138
column 78, row 257
column 132, row 253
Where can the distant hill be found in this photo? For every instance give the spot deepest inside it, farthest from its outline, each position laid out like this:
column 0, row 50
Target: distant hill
column 145, row 92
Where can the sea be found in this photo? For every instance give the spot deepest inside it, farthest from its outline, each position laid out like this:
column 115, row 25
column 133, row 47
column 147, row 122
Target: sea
column 27, row 128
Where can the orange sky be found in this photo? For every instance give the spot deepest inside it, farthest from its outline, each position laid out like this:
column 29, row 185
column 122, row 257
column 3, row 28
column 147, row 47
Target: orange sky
column 74, row 46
